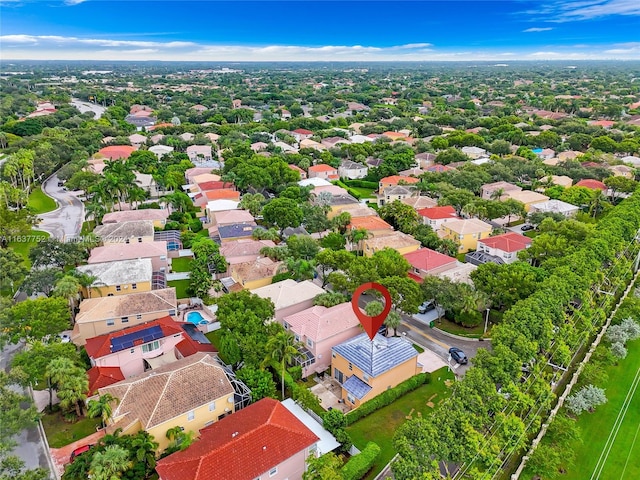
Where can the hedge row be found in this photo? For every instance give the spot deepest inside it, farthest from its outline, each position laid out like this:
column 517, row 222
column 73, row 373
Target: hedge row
column 361, row 184
column 358, row 465
column 387, row 397
column 351, row 192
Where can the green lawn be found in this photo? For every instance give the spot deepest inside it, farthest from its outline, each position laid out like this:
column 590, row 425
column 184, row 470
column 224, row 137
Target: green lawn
column 39, row 202
column 380, row 426
column 88, row 227
column 214, row 337
column 181, row 264
column 22, row 248
column 363, row 192
column 451, row 327
column 622, row 461
column 60, row 433
column 181, row 287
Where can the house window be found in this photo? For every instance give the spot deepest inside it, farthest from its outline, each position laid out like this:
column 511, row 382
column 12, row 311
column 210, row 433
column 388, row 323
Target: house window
column 350, row 398
column 110, row 295
column 286, row 326
column 313, row 449
column 273, row 471
column 212, row 406
column 210, row 422
column 365, row 377
column 297, row 337
column 138, row 317
column 150, row 347
column 133, row 350
column 118, row 288
column 126, row 241
column 111, row 322
column 309, row 342
column 333, row 355
column 350, row 366
column 134, row 286
column 125, row 319
column 172, row 313
column 163, row 257
column 139, row 239
column 191, row 415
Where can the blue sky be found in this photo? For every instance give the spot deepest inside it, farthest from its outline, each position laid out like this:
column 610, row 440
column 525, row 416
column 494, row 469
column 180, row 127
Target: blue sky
column 320, row 30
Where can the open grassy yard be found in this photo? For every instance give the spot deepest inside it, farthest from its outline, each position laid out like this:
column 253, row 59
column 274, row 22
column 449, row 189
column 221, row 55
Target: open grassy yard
column 451, row 327
column 60, row 433
column 380, row 426
column 181, row 287
column 40, row 202
column 611, row 434
column 363, row 192
column 22, row 248
column 181, row 264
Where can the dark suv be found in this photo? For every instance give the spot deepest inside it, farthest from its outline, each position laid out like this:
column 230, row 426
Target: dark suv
column 458, row 355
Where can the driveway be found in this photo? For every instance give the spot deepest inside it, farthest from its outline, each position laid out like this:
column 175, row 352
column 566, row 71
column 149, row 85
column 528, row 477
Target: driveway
column 66, row 221
column 31, row 447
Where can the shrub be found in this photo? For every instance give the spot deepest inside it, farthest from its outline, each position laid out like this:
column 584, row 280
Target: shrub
column 344, row 439
column 618, row 350
column 586, row 398
column 358, row 465
column 334, row 420
column 386, row 398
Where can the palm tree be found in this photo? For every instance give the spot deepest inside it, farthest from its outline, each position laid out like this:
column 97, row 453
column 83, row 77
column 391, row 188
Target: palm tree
column 496, row 194
column 281, row 348
column 393, row 320
column 102, row 407
column 110, row 464
column 73, row 391
column 68, row 287
column 180, row 439
column 145, row 449
column 357, row 236
column 57, row 372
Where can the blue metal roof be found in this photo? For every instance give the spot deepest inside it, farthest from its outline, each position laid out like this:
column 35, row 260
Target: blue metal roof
column 236, row 230
column 145, row 336
column 356, row 387
column 377, row 356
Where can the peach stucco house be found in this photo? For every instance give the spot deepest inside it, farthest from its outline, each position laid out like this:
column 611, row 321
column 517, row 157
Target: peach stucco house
column 319, row 329
column 289, row 296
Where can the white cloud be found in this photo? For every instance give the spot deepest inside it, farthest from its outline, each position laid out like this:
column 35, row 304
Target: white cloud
column 73, row 2
column 55, row 47
column 584, row 10
column 538, row 29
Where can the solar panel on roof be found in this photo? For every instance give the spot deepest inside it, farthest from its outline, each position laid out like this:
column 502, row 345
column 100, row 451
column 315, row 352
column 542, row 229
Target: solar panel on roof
column 143, row 336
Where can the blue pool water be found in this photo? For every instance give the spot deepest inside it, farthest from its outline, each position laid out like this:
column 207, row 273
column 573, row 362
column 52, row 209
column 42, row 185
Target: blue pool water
column 195, row 318
column 537, row 150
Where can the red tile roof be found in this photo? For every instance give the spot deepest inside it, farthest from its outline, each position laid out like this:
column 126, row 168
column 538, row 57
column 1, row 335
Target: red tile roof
column 439, row 168
column 437, row 213
column 241, row 446
column 427, row 259
column 370, row 222
column 222, row 193
column 100, row 346
column 395, row 179
column 592, row 184
column 507, row 242
column 303, row 131
column 116, row 152
column 322, row 168
column 215, row 185
column 103, row 377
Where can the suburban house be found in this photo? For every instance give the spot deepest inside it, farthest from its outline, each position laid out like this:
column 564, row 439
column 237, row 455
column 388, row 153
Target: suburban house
column 425, row 261
column 125, row 232
column 466, row 232
column 118, row 278
column 488, row 190
column 338, row 202
column 504, row 247
column 192, row 174
column 323, row 171
column 319, row 329
column 156, row 215
column 370, row 223
column 391, row 194
column 190, row 393
column 237, row 231
column 474, row 152
column 241, row 251
column 527, row 197
column 555, row 206
column 395, row 180
column 231, row 217
column 156, row 251
column 302, row 133
column 103, row 376
column 199, row 154
column 352, row 170
column 219, row 206
column 295, row 168
column 401, row 242
column 115, row 152
column 420, row 202
column 560, row 180
column 366, row 368
column 308, row 143
column 137, row 140
column 263, row 441
column 358, row 211
column 331, row 142
column 289, row 296
column 425, row 159
column 98, row 316
column 254, row 274
column 160, row 150
column 139, row 348
column 436, row 216
column 622, row 171
column 592, row 184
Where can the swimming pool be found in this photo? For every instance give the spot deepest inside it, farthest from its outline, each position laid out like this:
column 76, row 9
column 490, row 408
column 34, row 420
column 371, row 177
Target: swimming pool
column 196, row 318
column 537, row 150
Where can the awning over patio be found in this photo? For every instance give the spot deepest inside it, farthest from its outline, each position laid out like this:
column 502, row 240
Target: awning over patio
column 356, row 387
column 161, row 360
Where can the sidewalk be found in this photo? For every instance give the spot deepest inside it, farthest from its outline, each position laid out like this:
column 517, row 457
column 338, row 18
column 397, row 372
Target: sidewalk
column 60, row 456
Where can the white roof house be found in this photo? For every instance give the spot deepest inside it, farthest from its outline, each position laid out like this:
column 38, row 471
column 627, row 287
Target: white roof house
column 555, row 206
column 120, row 272
column 316, row 182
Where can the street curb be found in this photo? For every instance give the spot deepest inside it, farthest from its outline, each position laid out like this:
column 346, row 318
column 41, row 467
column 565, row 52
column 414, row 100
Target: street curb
column 458, row 337
column 54, row 199
column 47, row 449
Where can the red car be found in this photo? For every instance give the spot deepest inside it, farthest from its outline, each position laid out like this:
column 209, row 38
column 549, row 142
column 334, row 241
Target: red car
column 79, row 451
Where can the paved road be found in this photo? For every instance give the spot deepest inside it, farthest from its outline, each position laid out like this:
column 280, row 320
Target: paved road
column 88, row 107
column 66, row 221
column 31, row 448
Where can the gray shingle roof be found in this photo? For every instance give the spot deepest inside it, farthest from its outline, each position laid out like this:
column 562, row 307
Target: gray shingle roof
column 356, row 387
column 377, row 357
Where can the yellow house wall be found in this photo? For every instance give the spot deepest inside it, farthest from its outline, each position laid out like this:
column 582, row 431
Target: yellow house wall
column 125, row 289
column 335, row 210
column 99, row 327
column 369, row 251
column 468, row 241
column 378, row 384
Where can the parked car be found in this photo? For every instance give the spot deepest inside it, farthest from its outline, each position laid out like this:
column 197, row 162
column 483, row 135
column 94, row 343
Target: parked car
column 527, row 227
column 458, row 355
column 61, row 184
column 80, row 451
column 426, row 306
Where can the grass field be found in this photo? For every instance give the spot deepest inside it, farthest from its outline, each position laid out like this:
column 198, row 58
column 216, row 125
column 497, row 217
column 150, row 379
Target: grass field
column 380, row 426
column 22, row 248
column 611, row 435
column 454, row 328
column 60, row 433
column 181, row 287
column 39, row 202
column 181, row 264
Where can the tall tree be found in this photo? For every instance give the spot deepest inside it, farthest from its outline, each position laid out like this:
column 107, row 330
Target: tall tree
column 110, row 464
column 102, row 407
column 281, row 348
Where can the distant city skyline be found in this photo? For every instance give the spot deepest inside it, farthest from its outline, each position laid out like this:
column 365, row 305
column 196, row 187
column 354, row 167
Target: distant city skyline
column 320, row 30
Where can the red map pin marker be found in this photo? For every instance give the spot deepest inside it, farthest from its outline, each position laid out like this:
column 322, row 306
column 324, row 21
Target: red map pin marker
column 370, row 324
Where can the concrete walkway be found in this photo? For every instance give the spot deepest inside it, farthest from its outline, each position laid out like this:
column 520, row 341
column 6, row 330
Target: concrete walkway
column 61, row 456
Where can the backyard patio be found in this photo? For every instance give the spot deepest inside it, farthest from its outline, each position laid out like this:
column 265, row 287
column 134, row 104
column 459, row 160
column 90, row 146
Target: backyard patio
column 328, row 392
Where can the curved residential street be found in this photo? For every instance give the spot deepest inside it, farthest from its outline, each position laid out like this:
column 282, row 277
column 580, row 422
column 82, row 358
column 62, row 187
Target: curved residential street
column 66, row 221
column 88, row 107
